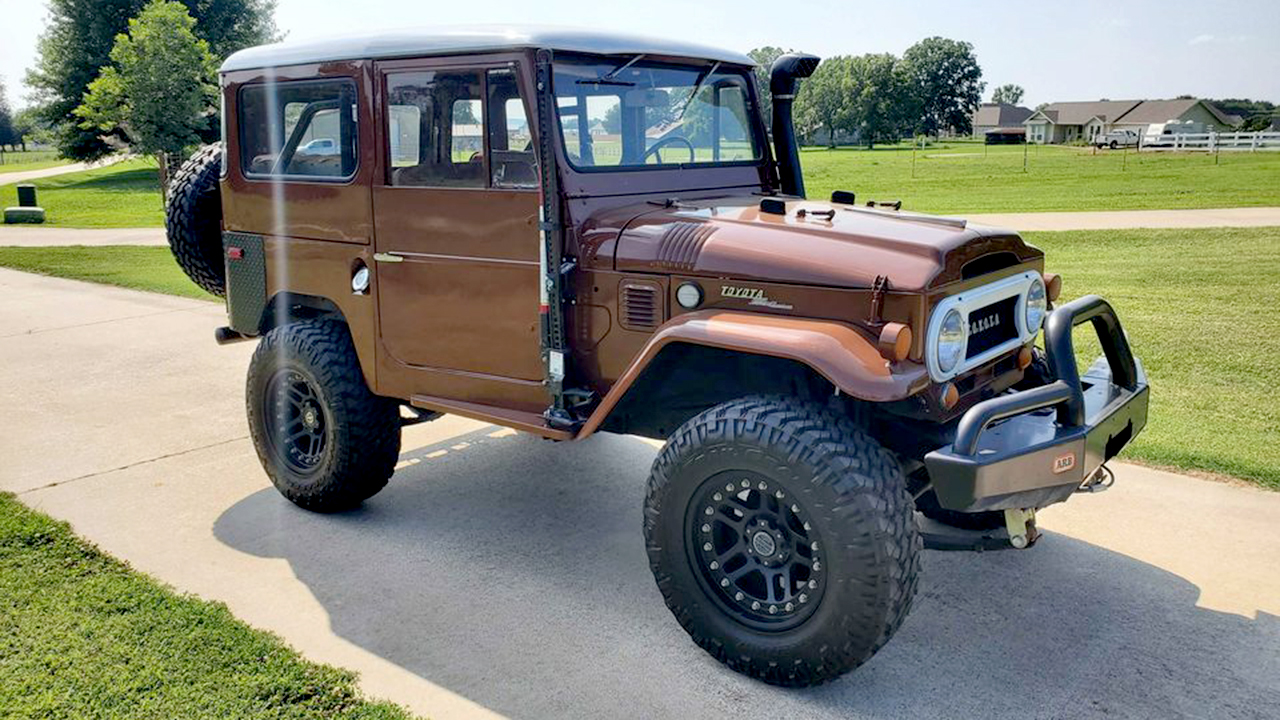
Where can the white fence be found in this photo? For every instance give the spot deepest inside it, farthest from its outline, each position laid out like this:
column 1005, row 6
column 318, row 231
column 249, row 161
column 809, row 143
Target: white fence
column 1212, row 142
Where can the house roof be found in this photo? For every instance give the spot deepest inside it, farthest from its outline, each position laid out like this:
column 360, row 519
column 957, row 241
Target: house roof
column 1000, row 115
column 446, row 40
column 1079, row 113
column 1158, row 111
column 1136, row 112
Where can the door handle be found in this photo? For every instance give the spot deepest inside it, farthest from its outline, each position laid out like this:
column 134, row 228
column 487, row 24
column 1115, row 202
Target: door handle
column 387, row 257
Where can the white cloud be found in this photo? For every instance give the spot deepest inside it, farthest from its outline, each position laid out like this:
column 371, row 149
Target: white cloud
column 1207, row 39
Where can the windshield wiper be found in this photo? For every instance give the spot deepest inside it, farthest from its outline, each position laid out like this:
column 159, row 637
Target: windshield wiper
column 702, row 79
column 608, row 78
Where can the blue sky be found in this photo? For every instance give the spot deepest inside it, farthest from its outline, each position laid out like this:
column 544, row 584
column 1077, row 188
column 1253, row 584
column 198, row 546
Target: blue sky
column 1083, row 50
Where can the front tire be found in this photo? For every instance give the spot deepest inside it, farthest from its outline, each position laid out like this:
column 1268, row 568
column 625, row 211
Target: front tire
column 809, row 558
column 326, row 441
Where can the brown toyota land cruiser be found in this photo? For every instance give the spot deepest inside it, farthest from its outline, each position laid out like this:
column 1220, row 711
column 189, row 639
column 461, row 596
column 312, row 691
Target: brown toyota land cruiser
column 566, row 232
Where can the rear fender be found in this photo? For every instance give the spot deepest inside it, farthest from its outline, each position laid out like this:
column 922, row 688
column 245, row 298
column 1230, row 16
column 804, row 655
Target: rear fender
column 836, row 351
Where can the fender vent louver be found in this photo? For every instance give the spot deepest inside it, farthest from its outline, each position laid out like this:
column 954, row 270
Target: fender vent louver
column 680, row 244
column 642, row 306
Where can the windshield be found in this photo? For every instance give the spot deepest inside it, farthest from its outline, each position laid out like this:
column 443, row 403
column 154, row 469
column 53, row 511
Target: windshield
column 632, row 113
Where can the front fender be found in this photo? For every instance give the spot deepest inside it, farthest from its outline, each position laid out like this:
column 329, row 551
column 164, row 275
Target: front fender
column 834, row 350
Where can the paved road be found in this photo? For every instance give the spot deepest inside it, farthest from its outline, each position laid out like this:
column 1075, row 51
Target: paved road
column 28, row 236
column 1231, row 217
column 500, row 574
column 1123, row 219
column 18, row 176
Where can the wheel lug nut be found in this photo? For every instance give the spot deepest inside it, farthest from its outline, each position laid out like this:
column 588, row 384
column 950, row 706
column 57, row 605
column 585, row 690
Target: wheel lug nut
column 709, row 511
column 706, row 546
column 779, row 495
column 817, row 565
column 813, row 584
column 813, row 546
column 715, row 565
column 773, row 609
column 738, row 596
column 746, row 483
column 724, row 582
column 717, row 497
column 795, row 508
column 807, row 527
column 804, row 598
column 729, row 487
column 755, row 605
column 707, row 528
column 762, row 486
column 789, row 607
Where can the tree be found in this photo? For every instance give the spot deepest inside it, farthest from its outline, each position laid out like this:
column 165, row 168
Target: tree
column 821, row 103
column 947, row 83
column 764, row 57
column 1257, row 114
column 161, row 88
column 1008, row 94
column 8, row 136
column 77, row 43
column 29, row 128
column 880, row 106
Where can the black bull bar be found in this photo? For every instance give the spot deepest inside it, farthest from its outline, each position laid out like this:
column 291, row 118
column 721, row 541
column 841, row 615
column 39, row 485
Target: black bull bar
column 1035, row 447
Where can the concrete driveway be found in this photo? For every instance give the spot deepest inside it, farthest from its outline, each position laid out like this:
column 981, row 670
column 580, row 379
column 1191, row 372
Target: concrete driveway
column 500, row 574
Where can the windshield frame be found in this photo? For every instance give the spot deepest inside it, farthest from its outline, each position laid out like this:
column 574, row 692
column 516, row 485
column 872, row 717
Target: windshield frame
column 755, row 120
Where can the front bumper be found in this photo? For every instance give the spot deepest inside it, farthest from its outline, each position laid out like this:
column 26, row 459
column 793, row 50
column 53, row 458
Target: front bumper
column 1033, row 448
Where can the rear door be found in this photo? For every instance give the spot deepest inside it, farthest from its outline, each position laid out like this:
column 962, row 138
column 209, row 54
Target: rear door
column 455, row 215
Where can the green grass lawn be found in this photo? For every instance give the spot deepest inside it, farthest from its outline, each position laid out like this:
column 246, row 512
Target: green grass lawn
column 84, row 636
column 125, row 194
column 971, row 177
column 1199, row 307
column 1197, row 304
column 134, row 267
column 29, row 160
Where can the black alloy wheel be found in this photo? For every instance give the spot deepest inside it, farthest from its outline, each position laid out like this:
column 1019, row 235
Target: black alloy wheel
column 296, row 421
column 755, row 550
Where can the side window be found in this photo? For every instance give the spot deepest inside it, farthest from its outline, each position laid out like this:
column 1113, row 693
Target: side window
column 512, row 162
column 299, row 129
column 435, row 129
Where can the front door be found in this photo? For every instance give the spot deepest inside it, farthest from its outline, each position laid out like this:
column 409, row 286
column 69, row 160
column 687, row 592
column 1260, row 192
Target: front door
column 456, row 222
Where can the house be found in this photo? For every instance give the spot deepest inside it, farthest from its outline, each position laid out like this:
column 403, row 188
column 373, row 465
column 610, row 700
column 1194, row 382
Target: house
column 997, row 116
column 1067, row 122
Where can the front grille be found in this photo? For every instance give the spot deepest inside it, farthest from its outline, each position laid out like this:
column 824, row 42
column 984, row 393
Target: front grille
column 992, row 325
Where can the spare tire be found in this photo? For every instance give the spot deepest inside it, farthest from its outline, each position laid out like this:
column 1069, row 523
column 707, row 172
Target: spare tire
column 193, row 219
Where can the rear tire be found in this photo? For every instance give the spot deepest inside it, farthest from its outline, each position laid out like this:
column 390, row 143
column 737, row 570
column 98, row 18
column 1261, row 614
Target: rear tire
column 812, row 479
column 193, row 220
column 326, row 441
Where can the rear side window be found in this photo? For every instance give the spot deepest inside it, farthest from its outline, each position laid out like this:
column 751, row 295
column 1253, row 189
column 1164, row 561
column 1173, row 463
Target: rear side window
column 299, row 129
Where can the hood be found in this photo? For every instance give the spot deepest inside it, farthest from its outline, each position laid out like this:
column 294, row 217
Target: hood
column 813, row 243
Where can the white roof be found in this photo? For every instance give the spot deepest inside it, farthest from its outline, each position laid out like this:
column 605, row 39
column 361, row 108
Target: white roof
column 449, row 40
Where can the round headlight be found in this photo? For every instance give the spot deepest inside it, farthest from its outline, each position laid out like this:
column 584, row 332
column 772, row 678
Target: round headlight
column 951, row 341
column 1036, row 304
column 689, row 295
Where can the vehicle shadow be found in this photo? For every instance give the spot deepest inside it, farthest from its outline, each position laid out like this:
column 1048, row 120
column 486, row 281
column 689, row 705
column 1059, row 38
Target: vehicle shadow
column 511, row 571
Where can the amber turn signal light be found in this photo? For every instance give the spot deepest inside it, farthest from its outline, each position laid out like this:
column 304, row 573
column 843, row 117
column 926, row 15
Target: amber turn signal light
column 950, row 396
column 1052, row 286
column 1024, row 358
column 895, row 342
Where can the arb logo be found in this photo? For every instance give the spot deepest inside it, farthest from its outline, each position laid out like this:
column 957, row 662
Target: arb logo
column 1063, row 463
